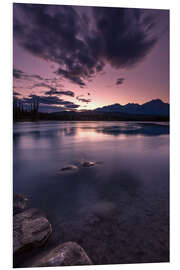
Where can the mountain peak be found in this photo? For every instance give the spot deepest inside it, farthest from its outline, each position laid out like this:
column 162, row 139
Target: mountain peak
column 155, row 101
column 152, row 107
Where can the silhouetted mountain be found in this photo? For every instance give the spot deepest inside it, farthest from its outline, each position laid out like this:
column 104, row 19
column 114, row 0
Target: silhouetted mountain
column 153, row 107
column 154, row 110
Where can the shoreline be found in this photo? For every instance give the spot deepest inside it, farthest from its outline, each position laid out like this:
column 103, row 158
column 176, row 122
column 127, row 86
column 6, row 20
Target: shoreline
column 60, row 120
column 31, row 233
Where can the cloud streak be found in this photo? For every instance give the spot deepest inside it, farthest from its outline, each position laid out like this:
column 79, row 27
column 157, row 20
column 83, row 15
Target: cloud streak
column 16, row 93
column 19, row 74
column 50, row 100
column 49, row 83
column 55, row 92
column 119, row 81
column 82, row 99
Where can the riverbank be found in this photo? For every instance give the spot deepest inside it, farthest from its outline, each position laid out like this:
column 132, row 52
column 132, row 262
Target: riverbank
column 31, row 231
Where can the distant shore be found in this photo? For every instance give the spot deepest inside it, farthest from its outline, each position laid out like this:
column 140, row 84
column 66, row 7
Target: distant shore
column 89, row 116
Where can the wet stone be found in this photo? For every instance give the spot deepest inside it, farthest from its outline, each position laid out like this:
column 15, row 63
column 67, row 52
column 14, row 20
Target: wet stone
column 66, row 254
column 30, row 228
column 20, row 203
column 69, row 168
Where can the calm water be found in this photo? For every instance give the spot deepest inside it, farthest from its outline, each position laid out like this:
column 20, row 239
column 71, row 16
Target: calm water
column 118, row 210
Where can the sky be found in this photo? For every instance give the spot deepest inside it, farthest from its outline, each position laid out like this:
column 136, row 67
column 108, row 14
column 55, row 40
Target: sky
column 79, row 58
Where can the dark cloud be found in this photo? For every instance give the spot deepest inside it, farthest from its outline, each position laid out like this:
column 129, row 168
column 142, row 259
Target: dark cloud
column 120, row 81
column 50, row 108
column 41, row 84
column 19, row 74
column 55, row 92
column 85, row 100
column 125, row 34
column 73, row 76
column 81, row 44
column 71, row 105
column 54, row 89
column 16, row 93
column 50, row 100
column 62, row 41
column 50, row 83
column 82, row 99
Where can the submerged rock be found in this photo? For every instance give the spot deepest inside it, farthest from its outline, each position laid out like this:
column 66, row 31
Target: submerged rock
column 20, row 203
column 30, row 228
column 66, row 254
column 69, row 168
column 90, row 163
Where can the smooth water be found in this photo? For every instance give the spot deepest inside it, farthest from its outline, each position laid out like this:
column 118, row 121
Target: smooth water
column 118, row 209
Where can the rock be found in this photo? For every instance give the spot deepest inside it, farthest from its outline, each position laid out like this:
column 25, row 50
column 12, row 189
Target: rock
column 88, row 163
column 20, row 203
column 66, row 254
column 30, row 228
column 69, row 168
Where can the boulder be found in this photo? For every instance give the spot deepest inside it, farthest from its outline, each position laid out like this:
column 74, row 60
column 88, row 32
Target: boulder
column 66, row 254
column 20, row 203
column 30, row 228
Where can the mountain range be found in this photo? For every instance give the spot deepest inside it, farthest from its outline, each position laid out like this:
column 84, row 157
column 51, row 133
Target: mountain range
column 153, row 107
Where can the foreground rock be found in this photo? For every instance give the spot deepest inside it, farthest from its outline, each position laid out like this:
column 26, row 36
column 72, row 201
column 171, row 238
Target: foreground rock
column 67, row 254
column 20, row 203
column 30, row 228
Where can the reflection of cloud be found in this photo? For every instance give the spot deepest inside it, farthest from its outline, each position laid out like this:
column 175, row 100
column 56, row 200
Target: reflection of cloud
column 70, row 131
column 146, row 129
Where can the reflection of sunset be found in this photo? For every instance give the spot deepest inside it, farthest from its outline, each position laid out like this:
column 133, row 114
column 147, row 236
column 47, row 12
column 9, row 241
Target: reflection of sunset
column 95, row 135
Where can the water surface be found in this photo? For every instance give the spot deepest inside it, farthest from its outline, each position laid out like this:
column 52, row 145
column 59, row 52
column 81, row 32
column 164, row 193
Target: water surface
column 118, row 210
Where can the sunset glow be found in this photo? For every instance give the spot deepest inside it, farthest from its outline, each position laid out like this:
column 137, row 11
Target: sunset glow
column 94, row 83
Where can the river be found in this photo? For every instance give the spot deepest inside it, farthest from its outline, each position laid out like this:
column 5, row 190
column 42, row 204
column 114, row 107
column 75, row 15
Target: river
column 118, row 209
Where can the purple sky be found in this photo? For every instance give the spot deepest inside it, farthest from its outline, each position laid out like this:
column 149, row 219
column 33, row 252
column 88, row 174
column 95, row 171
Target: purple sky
column 84, row 57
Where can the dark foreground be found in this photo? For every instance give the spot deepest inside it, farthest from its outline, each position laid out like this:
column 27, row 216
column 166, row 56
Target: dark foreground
column 86, row 116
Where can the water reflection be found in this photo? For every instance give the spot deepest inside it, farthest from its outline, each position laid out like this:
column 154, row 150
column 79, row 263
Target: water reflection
column 105, row 207
column 146, row 129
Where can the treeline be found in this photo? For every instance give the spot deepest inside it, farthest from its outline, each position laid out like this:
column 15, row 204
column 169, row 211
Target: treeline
column 99, row 116
column 21, row 114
